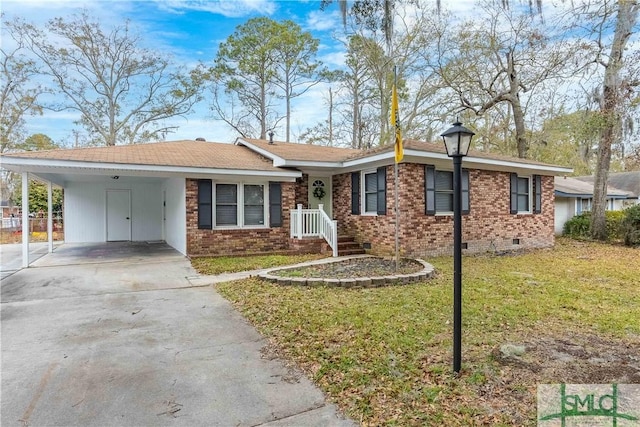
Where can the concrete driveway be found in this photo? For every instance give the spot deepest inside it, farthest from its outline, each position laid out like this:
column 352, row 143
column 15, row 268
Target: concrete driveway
column 121, row 335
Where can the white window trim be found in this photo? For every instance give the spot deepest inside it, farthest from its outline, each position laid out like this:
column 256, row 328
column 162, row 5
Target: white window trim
column 363, row 197
column 240, row 203
column 530, row 194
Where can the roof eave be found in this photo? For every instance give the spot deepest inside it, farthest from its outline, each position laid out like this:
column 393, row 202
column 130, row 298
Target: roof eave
column 17, row 164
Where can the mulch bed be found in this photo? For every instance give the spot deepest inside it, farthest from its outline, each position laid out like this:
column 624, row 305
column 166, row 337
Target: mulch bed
column 354, row 268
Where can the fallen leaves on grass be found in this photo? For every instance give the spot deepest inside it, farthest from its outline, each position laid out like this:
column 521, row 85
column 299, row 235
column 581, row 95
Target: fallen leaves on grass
column 384, row 354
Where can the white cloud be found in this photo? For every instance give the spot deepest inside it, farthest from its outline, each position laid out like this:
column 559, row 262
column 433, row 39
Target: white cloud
column 230, row 9
column 319, row 20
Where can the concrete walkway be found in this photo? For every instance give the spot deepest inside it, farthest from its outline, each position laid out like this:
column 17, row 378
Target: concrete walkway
column 131, row 336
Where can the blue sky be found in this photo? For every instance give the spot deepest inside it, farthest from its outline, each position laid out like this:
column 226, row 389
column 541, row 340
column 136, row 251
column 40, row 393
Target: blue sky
column 190, row 31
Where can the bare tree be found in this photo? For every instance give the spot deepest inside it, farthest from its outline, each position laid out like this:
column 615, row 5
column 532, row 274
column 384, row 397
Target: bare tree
column 18, row 91
column 122, row 91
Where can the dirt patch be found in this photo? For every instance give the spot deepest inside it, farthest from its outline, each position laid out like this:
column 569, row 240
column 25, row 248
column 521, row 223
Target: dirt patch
column 354, row 268
column 580, row 359
column 574, row 359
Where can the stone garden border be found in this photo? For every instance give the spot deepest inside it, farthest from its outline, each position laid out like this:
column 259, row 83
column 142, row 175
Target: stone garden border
column 359, row 282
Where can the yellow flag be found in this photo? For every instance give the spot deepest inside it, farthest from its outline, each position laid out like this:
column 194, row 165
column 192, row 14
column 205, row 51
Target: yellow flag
column 395, row 123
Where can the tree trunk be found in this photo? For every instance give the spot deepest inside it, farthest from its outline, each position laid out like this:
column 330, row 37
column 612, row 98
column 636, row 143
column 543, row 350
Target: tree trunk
column 627, row 16
column 288, row 118
column 516, row 108
column 330, row 117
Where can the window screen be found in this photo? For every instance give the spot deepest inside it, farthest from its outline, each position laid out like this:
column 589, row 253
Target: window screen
column 253, row 205
column 371, row 192
column 226, row 204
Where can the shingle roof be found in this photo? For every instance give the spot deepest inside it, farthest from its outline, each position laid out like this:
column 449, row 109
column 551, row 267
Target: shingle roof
column 577, row 187
column 294, row 151
column 304, row 152
column 627, row 181
column 178, row 153
column 429, row 147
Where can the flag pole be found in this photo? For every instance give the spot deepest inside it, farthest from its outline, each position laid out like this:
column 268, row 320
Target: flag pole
column 395, row 175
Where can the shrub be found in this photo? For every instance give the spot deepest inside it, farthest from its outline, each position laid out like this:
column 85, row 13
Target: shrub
column 614, row 221
column 578, row 226
column 631, row 226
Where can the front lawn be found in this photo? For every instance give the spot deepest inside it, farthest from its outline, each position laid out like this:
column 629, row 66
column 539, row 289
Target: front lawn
column 233, row 264
column 384, row 354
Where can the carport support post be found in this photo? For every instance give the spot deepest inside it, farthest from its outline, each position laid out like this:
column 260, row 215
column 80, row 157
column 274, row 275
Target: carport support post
column 50, row 215
column 25, row 219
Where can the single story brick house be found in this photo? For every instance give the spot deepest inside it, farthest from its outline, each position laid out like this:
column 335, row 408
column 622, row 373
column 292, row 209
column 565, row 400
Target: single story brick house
column 258, row 196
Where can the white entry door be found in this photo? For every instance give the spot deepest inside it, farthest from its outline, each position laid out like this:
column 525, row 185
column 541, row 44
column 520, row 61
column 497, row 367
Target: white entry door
column 118, row 215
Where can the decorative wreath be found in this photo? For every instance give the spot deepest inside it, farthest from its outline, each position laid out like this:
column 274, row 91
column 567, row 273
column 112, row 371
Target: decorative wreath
column 319, row 192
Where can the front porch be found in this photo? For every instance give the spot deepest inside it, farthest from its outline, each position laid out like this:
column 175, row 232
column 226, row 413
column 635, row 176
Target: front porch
column 316, row 224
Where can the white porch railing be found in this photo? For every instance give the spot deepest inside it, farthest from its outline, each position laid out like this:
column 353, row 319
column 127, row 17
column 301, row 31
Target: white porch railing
column 315, row 223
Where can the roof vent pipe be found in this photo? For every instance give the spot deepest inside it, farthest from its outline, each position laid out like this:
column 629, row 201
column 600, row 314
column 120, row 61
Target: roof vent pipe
column 200, row 139
column 271, row 137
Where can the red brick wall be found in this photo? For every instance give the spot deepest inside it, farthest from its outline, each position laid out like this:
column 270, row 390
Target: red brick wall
column 302, row 191
column 488, row 227
column 240, row 241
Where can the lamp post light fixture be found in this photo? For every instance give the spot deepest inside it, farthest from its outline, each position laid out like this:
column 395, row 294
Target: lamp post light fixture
column 457, row 141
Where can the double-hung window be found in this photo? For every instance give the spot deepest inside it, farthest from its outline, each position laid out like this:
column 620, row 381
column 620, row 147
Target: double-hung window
column 526, row 194
column 444, row 191
column 372, row 186
column 226, row 205
column 438, row 185
column 253, row 204
column 370, row 192
column 523, row 189
column 237, row 205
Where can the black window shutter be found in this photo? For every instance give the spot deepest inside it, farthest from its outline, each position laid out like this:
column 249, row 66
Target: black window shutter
column 514, row 194
column 429, row 190
column 275, row 204
column 537, row 194
column 466, row 207
column 355, row 193
column 382, row 190
column 205, row 194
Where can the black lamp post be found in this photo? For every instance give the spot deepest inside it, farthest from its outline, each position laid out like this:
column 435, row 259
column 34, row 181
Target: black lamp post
column 457, row 140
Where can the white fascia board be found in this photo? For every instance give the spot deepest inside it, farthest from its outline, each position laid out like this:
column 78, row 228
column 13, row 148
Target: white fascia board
column 48, row 165
column 277, row 160
column 388, row 155
column 493, row 164
column 311, row 164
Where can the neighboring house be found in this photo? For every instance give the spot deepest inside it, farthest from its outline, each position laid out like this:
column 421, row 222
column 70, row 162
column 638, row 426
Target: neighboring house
column 7, row 209
column 628, row 182
column 207, row 198
column 574, row 196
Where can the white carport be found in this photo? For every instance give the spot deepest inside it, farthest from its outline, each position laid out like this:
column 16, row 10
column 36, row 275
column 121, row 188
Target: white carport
column 103, row 203
column 131, row 193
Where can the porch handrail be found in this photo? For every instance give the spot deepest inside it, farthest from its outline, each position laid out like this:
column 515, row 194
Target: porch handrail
column 314, row 223
column 329, row 230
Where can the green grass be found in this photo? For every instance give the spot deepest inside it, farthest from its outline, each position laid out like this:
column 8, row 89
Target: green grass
column 219, row 265
column 384, row 354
